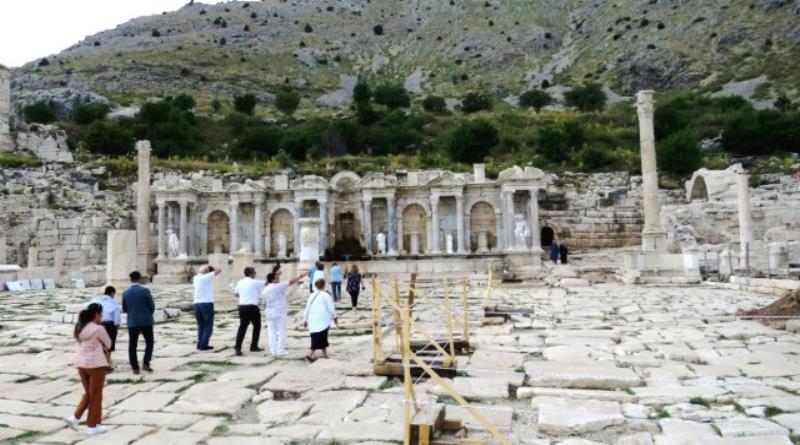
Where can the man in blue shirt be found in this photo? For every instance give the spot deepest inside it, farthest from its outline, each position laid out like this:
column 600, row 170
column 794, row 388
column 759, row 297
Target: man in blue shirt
column 111, row 313
column 336, row 282
column 138, row 303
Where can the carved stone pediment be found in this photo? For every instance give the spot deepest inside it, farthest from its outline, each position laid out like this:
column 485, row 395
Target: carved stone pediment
column 246, row 187
column 172, row 183
column 447, row 179
column 310, row 182
column 344, row 181
column 377, row 181
column 518, row 174
column 207, row 184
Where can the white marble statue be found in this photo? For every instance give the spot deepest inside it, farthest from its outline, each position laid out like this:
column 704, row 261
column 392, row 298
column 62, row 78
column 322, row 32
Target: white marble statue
column 449, row 242
column 381, row 239
column 174, row 243
column 282, row 245
column 521, row 231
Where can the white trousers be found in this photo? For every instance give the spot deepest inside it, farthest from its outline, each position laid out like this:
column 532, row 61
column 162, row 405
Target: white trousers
column 276, row 329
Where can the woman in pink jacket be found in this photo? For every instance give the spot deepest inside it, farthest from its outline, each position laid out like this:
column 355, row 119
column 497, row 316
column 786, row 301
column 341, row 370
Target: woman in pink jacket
column 91, row 362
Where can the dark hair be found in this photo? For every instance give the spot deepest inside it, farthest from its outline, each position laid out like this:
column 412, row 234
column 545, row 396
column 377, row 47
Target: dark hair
column 271, row 277
column 135, row 276
column 249, row 271
column 110, row 290
column 86, row 316
column 276, row 267
column 321, row 266
column 320, row 284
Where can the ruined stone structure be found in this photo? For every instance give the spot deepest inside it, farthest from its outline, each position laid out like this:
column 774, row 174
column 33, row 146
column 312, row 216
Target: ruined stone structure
column 6, row 141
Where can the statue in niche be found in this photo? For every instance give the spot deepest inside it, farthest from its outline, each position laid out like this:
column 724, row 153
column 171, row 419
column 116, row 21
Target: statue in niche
column 173, row 243
column 381, row 239
column 282, row 245
column 521, row 232
column 449, row 242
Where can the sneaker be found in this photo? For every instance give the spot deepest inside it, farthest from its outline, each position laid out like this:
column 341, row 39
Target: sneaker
column 99, row 429
column 73, row 422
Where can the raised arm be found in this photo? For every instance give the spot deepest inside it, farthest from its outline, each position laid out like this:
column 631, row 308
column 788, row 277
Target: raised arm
column 297, row 279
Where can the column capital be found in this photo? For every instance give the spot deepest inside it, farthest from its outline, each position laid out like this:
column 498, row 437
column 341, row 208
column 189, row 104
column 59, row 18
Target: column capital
column 161, row 203
column 366, row 199
column 183, row 202
column 234, row 199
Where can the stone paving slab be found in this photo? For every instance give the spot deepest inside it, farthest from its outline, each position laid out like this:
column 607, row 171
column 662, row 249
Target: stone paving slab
column 159, row 419
column 167, row 437
column 570, row 417
column 122, row 434
column 598, row 375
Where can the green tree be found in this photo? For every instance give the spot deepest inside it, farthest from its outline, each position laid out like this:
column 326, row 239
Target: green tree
column 679, row 153
column 783, row 103
column 434, row 104
column 87, row 113
column 362, row 92
column 589, row 97
column 108, row 137
column 216, row 105
column 257, row 143
column 246, row 103
column 286, row 102
column 184, row 101
column 297, row 140
column 391, row 95
column 472, row 141
column 536, row 99
column 474, row 102
column 38, row 112
column 552, row 143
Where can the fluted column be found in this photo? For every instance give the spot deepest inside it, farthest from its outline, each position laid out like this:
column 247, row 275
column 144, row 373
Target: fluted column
column 234, row 220
column 323, row 224
column 143, row 253
column 400, row 234
column 184, row 219
column 460, row 224
column 533, row 212
column 508, row 219
column 162, row 229
column 390, row 215
column 745, row 218
column 436, row 247
column 298, row 206
column 367, row 223
column 498, row 230
column 258, row 221
column 653, row 235
column 267, row 234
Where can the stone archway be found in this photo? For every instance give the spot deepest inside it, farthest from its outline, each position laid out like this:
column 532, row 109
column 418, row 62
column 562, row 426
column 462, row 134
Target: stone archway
column 482, row 219
column 348, row 236
column 548, row 235
column 281, row 221
column 415, row 221
column 699, row 189
column 219, row 232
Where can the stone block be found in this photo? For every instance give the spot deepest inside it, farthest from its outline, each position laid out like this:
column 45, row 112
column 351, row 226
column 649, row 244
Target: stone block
column 559, row 416
column 120, row 256
column 589, row 375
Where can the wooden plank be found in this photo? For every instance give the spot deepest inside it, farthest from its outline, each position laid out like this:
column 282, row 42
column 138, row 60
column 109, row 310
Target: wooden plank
column 392, row 367
column 422, row 345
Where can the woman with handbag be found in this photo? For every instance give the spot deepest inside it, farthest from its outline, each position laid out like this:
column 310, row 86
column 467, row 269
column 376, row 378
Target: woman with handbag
column 317, row 318
column 92, row 362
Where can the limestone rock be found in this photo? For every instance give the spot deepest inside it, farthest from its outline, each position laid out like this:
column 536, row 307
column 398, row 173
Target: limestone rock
column 569, row 417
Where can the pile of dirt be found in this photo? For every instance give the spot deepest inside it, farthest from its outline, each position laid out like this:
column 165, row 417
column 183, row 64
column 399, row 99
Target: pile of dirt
column 787, row 305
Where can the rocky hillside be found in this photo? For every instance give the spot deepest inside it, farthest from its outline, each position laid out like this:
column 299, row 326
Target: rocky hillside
column 442, row 46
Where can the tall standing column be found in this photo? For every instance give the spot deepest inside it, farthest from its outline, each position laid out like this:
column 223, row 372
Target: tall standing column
column 323, row 225
column 267, row 234
column 399, row 235
column 143, row 254
column 298, row 207
column 234, row 224
column 258, row 222
column 367, row 223
column 460, row 224
column 390, row 214
column 6, row 142
column 745, row 218
column 162, row 229
column 508, row 220
column 436, row 247
column 498, row 230
column 533, row 212
column 654, row 238
column 184, row 225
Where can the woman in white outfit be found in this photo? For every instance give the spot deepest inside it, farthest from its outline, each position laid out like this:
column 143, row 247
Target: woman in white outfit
column 277, row 310
column 317, row 318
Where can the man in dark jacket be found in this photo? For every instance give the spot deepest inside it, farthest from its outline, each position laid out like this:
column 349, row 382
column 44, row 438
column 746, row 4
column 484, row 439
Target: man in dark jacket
column 563, row 253
column 138, row 303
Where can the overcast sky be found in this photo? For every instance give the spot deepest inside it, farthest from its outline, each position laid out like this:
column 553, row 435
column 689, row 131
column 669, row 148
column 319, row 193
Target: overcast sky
column 30, row 29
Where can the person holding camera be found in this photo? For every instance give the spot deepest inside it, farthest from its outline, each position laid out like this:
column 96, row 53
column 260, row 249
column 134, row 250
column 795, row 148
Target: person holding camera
column 203, row 305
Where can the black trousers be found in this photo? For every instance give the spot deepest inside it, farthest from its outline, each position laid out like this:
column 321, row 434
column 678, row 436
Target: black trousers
column 354, row 297
column 111, row 329
column 133, row 343
column 248, row 314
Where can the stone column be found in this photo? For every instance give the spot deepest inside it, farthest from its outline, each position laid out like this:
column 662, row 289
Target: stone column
column 368, row 223
column 460, row 225
column 268, row 234
column 323, row 224
column 654, row 238
column 184, row 205
column 390, row 215
column 298, row 208
column 745, row 218
column 143, row 254
column 234, row 221
column 508, row 219
column 399, row 235
column 3, row 250
column 435, row 249
column 258, row 218
column 6, row 142
column 170, row 217
column 33, row 257
column 498, row 230
column 162, row 230
column 533, row 211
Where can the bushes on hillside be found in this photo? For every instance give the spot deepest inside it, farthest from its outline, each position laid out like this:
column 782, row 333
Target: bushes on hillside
column 108, row 137
column 679, row 153
column 287, row 102
column 474, row 102
column 391, row 96
column 87, row 113
column 761, row 132
column 471, row 141
column 246, row 103
column 434, row 104
column 39, row 113
column 586, row 98
column 536, row 99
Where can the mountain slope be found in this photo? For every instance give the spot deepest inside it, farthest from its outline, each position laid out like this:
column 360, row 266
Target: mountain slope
column 441, row 46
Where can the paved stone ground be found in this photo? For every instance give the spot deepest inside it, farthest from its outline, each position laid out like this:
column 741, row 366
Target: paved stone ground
column 607, row 364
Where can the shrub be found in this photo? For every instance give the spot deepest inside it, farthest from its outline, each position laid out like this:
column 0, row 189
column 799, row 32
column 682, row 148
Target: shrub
column 216, row 105
column 391, row 95
column 679, row 153
column 184, row 101
column 474, row 102
column 38, row 112
column 108, row 137
column 552, row 143
column 246, row 103
column 87, row 113
column 589, row 97
column 286, row 102
column 761, row 132
column 296, row 141
column 434, row 104
column 377, row 30
column 365, row 114
column 471, row 141
column 362, row 92
column 536, row 99
column 593, row 157
column 257, row 142
column 308, row 28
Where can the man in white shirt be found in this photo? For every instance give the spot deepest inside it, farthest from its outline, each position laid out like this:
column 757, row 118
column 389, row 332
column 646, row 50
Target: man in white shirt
column 277, row 310
column 247, row 290
column 203, row 305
